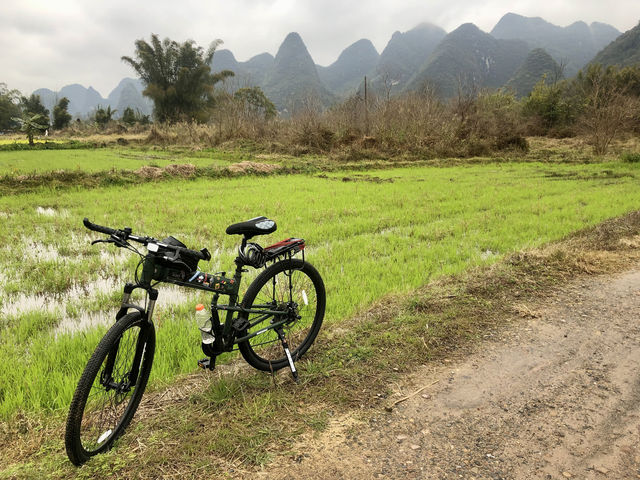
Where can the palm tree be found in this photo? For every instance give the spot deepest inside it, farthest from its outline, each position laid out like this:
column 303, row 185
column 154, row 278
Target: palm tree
column 32, row 125
column 104, row 115
column 177, row 76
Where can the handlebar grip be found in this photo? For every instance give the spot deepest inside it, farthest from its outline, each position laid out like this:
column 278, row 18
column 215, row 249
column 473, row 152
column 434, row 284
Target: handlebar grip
column 98, row 228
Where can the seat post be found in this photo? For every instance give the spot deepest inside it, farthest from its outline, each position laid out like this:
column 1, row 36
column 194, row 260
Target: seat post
column 239, row 263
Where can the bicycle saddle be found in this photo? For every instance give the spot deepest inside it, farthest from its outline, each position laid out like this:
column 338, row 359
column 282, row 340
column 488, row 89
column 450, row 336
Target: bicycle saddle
column 253, row 227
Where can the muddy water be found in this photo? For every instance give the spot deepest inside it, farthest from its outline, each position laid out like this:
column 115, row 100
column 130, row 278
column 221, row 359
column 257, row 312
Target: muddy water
column 169, row 296
column 16, row 305
column 21, row 304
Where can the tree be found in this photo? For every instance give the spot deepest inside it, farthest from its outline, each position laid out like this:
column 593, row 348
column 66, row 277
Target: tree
column 177, row 77
column 32, row 125
column 131, row 117
column 255, row 103
column 103, row 116
column 142, row 119
column 465, row 105
column 552, row 105
column 389, row 81
column 33, row 105
column 608, row 104
column 9, row 108
column 128, row 116
column 630, row 78
column 61, row 115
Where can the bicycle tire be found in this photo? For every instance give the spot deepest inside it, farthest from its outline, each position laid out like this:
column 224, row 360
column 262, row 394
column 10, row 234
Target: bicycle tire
column 94, row 424
column 264, row 352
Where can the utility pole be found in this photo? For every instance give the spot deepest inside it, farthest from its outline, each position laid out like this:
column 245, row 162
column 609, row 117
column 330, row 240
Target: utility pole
column 366, row 108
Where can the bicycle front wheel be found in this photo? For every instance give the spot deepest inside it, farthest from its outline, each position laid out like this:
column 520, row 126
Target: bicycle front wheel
column 294, row 288
column 110, row 388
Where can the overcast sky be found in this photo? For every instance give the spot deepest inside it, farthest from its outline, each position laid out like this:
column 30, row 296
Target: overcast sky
column 52, row 43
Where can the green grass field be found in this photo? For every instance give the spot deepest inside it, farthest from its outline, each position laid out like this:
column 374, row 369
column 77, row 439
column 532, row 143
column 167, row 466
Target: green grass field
column 101, row 159
column 370, row 234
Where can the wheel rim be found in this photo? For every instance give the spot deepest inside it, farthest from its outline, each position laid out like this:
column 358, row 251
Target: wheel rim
column 298, row 301
column 109, row 400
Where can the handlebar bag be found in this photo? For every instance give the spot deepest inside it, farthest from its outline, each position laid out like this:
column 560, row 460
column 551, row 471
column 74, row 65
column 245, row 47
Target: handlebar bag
column 190, row 260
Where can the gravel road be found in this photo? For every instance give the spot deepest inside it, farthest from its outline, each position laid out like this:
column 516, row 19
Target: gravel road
column 553, row 396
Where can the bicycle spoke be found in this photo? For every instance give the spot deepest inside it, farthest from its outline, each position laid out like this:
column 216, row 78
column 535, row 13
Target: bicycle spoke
column 105, row 403
column 291, row 291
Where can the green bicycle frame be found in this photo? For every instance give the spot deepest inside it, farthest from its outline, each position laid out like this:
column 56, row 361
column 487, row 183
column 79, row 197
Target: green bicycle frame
column 218, row 284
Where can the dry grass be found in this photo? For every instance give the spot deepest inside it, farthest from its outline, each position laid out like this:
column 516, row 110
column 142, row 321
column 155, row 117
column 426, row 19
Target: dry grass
column 418, row 124
column 247, row 166
column 414, row 124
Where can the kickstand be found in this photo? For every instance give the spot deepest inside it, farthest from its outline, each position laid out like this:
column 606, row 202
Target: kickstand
column 285, row 346
column 207, row 363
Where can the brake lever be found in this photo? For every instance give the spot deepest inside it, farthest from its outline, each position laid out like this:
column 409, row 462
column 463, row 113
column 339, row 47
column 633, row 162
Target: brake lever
column 102, row 240
column 117, row 240
column 112, row 239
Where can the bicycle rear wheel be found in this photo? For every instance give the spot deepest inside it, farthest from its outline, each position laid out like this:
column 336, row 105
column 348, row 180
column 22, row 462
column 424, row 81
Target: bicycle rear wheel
column 110, row 388
column 295, row 288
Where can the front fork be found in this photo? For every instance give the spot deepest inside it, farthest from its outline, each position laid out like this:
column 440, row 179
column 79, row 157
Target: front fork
column 106, row 377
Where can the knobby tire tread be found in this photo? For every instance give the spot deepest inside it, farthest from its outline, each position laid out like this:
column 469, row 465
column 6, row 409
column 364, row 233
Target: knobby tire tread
column 75, row 450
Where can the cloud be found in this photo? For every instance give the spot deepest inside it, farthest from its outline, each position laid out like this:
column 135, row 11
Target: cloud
column 51, row 44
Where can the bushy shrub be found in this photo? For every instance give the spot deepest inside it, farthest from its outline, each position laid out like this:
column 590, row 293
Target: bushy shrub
column 630, row 157
column 498, row 121
column 550, row 108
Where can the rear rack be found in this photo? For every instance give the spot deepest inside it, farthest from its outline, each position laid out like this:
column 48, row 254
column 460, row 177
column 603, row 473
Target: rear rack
column 289, row 245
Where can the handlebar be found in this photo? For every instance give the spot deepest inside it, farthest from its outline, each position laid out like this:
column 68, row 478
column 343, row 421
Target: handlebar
column 125, row 234
column 100, row 228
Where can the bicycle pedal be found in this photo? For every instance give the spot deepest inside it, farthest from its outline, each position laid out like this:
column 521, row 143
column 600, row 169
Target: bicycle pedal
column 207, row 363
column 240, row 324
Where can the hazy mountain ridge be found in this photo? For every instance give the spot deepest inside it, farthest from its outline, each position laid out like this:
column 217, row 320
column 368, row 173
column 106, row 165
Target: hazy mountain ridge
column 345, row 74
column 424, row 53
column 287, row 79
column 83, row 101
column 538, row 64
column 293, row 77
column 225, row 60
column 624, row 51
column 128, row 93
column 258, row 66
column 251, row 72
column 573, row 46
column 469, row 57
column 405, row 54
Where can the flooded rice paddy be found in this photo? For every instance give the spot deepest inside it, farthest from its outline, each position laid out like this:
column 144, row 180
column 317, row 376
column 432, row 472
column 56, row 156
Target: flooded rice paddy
column 58, row 294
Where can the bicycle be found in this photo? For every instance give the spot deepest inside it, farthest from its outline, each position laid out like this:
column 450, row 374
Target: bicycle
column 273, row 325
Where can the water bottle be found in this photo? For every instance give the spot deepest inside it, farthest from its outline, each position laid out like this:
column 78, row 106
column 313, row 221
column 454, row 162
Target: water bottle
column 203, row 321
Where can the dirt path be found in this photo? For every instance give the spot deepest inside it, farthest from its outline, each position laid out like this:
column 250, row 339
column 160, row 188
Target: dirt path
column 556, row 396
